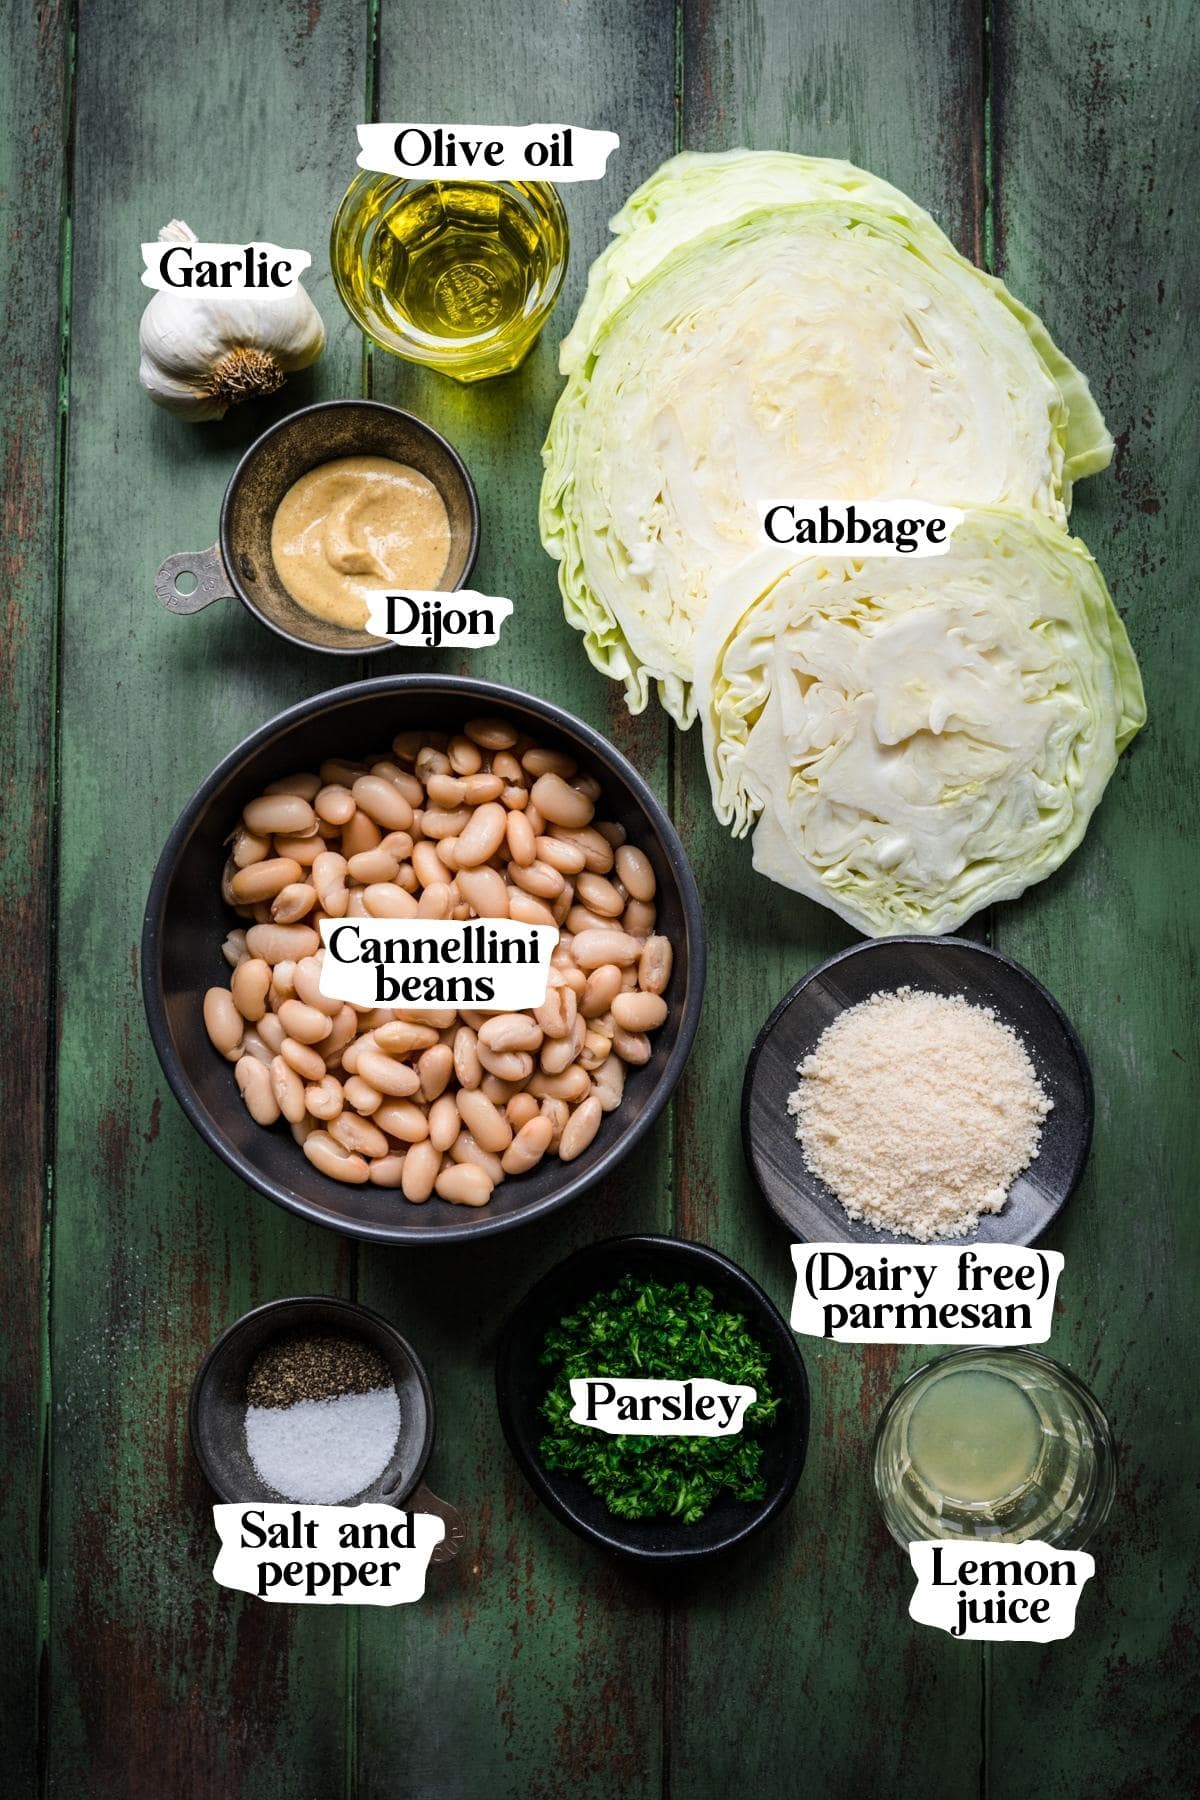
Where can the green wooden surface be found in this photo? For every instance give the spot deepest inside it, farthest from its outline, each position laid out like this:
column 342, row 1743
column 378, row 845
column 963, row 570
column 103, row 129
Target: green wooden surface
column 34, row 95
column 1059, row 139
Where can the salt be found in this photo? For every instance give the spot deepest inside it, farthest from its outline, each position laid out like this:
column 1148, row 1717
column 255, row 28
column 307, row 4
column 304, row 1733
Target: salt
column 322, row 1452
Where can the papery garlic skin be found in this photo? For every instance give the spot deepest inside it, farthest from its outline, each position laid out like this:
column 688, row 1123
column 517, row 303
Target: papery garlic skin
column 204, row 350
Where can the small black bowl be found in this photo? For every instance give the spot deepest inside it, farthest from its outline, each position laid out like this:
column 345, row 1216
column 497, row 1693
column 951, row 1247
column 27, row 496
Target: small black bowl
column 522, row 1383
column 186, row 921
column 217, row 1407
column 938, row 965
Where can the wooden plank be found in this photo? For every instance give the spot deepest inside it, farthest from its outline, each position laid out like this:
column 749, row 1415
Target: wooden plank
column 34, row 88
column 534, row 1666
column 815, row 1625
column 1096, row 147
column 163, row 1683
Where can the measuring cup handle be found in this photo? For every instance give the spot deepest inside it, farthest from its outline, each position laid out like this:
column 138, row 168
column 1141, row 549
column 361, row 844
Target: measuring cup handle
column 212, row 582
column 422, row 1500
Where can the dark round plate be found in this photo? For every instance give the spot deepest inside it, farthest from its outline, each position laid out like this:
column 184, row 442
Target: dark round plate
column 938, row 965
column 521, row 1384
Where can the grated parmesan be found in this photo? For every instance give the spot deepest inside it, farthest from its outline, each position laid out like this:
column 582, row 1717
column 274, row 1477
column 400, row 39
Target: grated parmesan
column 919, row 1111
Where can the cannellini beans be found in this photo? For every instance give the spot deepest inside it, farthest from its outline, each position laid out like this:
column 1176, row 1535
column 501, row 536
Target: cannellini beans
column 325, row 1154
column 303, row 1058
column 306, row 785
column 445, row 1119
column 324, row 1099
column 464, row 1184
column 635, row 872
column 402, row 1119
column 464, row 1149
column 360, row 1135
column 654, row 965
column 580, row 1129
column 560, row 1053
column 387, row 1171
column 510, row 1031
column 485, row 1122
column 603, row 985
column 509, row 1065
column 257, row 1089
column 528, row 1146
column 639, row 1012
column 361, row 1095
column 591, row 844
column 288, row 1090
column 421, row 1166
column 282, row 943
column 386, row 1074
column 388, row 900
column 556, row 1015
column 447, row 1100
column 223, row 1021
column 561, row 804
column 234, row 949
column 593, row 947
column 632, row 1047
column 485, row 892
column 308, row 987
column 373, row 865
column 305, row 851
column 248, row 847
column 435, row 1067
column 383, row 802
column 249, row 986
column 305, row 1023
column 608, row 1083
column 520, row 1109
column 288, row 814
column 335, row 804
column 294, row 902
column 359, row 834
column 400, row 1037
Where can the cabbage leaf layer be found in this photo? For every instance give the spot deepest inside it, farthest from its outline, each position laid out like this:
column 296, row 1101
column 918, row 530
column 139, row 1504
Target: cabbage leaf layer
column 915, row 739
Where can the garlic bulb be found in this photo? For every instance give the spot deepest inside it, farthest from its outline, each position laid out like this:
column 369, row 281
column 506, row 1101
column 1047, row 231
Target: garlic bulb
column 204, row 350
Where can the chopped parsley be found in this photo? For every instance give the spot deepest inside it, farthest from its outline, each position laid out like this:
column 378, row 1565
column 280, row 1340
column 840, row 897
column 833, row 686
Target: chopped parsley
column 649, row 1329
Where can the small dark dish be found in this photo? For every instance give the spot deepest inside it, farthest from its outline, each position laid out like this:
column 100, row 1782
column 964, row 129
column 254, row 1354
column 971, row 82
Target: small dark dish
column 522, row 1383
column 937, row 965
column 240, row 562
column 217, row 1408
column 186, row 922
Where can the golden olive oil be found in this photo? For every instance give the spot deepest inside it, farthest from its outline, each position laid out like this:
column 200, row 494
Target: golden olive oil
column 459, row 275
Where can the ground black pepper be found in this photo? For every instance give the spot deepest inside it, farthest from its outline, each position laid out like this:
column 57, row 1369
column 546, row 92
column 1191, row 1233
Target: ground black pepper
column 314, row 1366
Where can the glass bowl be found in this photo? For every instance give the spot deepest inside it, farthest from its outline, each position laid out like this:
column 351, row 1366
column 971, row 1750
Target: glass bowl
column 456, row 274
column 1050, row 1474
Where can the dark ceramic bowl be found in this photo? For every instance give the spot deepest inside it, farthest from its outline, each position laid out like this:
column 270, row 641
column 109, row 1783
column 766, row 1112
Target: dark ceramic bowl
column 938, row 965
column 241, row 563
column 522, row 1382
column 186, row 922
column 217, row 1407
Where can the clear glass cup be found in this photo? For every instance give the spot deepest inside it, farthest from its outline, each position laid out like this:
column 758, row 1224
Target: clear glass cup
column 459, row 275
column 1023, row 1451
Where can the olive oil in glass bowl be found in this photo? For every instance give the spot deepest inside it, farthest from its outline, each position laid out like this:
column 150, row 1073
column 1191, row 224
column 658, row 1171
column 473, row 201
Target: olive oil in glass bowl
column 458, row 275
column 994, row 1444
